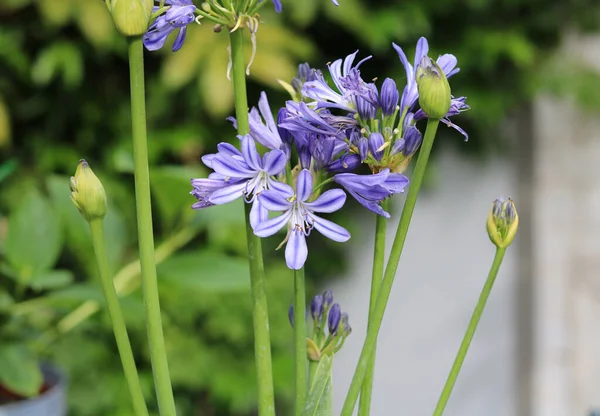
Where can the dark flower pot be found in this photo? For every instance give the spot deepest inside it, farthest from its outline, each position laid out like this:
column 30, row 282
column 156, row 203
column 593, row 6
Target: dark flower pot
column 51, row 402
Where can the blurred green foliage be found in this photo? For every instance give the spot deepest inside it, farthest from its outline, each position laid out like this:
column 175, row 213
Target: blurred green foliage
column 64, row 95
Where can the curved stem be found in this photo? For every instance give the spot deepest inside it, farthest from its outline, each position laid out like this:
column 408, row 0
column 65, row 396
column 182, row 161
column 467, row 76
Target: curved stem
column 364, row 408
column 300, row 340
column 158, row 356
column 260, row 315
column 390, row 270
column 118, row 323
column 466, row 342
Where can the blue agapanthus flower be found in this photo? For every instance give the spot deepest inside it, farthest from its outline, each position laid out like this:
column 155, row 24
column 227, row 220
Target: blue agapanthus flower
column 348, row 82
column 178, row 16
column 299, row 217
column 239, row 174
column 370, row 190
column 410, row 94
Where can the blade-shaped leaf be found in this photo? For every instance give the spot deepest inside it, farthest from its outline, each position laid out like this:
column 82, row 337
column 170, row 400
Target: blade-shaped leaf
column 20, row 373
column 318, row 402
column 53, row 279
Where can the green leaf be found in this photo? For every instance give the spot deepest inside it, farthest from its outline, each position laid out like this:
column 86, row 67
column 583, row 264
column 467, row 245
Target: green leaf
column 34, row 237
column 171, row 190
column 77, row 293
column 53, row 279
column 318, row 402
column 20, row 373
column 206, row 271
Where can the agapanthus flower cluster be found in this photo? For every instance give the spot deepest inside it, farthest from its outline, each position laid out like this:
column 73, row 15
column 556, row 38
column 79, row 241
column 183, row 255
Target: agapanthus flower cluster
column 352, row 134
column 330, row 326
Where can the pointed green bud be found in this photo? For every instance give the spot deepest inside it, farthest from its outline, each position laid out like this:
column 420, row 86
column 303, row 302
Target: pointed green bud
column 131, row 17
column 87, row 193
column 502, row 222
column 433, row 87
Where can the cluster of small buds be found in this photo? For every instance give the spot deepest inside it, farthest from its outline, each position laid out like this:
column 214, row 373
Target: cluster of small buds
column 330, row 326
column 502, row 222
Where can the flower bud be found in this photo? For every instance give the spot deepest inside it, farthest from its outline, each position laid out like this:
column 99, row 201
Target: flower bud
column 131, row 17
column 327, row 299
column 413, row 139
column 433, row 87
column 502, row 222
column 388, row 99
column 376, row 140
column 316, row 307
column 87, row 193
column 345, row 324
column 333, row 320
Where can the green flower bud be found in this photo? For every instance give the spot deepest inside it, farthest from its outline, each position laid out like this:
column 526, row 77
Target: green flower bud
column 87, row 193
column 433, row 87
column 502, row 222
column 131, row 17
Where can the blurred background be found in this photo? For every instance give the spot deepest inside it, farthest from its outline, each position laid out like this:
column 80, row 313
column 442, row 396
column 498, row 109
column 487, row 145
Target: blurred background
column 531, row 72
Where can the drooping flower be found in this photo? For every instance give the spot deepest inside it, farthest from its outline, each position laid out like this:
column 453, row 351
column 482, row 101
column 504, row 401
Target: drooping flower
column 239, row 174
column 265, row 133
column 299, row 216
column 457, row 106
column 370, row 190
column 348, row 82
column 178, row 16
column 410, row 95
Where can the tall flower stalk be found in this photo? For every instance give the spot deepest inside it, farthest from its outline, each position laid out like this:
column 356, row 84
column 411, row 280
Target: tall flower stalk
column 158, row 356
column 390, row 270
column 377, row 275
column 300, row 354
column 260, row 315
column 466, row 342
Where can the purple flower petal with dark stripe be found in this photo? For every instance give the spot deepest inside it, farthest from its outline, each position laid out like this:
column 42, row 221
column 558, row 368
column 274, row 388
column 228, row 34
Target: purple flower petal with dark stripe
column 370, row 190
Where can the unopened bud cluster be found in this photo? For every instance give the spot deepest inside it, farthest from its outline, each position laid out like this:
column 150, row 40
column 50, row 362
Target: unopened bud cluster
column 330, row 326
column 502, row 222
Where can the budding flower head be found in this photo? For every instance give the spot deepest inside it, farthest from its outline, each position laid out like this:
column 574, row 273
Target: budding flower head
column 502, row 222
column 87, row 193
column 333, row 320
column 131, row 17
column 316, row 308
column 433, row 87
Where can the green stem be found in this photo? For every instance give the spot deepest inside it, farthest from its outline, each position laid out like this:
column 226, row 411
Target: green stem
column 300, row 340
column 364, row 408
column 390, row 271
column 118, row 323
column 158, row 356
column 466, row 342
column 260, row 315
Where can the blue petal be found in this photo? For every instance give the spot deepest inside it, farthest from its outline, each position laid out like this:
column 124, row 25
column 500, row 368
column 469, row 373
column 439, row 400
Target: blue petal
column 422, row 50
column 274, row 201
column 331, row 230
column 228, row 149
column 228, row 194
column 258, row 214
column 274, row 162
column 329, row 201
column 304, row 185
column 228, row 166
column 296, row 251
column 270, row 227
column 250, row 153
column 283, row 188
column 179, row 39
